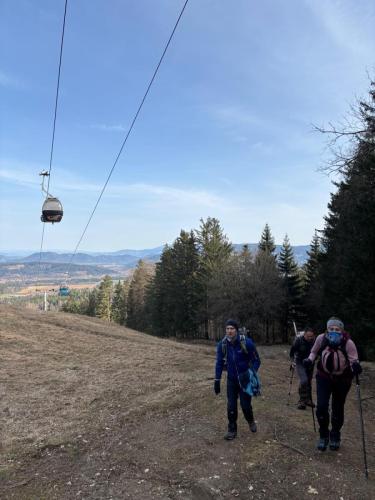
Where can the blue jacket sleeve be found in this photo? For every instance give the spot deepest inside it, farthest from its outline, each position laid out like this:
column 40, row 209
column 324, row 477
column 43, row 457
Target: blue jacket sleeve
column 219, row 361
column 253, row 354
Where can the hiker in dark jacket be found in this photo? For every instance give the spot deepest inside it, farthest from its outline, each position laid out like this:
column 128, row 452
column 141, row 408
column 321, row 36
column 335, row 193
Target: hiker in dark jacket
column 337, row 365
column 300, row 350
column 236, row 353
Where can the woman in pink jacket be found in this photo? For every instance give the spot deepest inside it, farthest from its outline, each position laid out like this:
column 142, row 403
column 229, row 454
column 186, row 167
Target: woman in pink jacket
column 337, row 365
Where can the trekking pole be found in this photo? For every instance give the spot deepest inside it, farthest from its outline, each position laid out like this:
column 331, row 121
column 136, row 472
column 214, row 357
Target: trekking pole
column 312, row 410
column 312, row 401
column 295, row 329
column 290, row 384
column 362, row 425
column 313, row 416
column 291, row 368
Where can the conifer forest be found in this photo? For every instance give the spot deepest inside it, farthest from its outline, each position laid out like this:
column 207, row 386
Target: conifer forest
column 200, row 280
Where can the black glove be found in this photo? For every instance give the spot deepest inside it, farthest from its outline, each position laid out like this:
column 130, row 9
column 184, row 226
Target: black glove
column 356, row 368
column 217, row 387
column 308, row 364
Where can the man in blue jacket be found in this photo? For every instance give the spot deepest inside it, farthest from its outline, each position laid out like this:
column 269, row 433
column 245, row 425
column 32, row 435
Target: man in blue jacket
column 236, row 354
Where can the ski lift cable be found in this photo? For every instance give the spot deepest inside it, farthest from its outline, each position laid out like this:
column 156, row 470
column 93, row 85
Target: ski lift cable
column 53, row 130
column 57, row 97
column 127, row 135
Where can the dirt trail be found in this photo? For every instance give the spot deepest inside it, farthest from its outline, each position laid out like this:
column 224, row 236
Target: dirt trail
column 95, row 411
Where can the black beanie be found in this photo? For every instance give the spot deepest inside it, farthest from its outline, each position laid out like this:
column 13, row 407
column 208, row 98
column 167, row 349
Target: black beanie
column 232, row 322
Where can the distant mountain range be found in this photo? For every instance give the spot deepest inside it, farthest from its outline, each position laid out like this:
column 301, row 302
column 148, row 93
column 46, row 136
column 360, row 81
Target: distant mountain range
column 125, row 258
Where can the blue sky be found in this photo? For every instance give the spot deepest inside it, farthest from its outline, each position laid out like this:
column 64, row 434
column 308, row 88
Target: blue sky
column 226, row 130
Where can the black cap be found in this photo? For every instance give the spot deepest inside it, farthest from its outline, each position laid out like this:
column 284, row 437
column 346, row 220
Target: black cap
column 232, row 322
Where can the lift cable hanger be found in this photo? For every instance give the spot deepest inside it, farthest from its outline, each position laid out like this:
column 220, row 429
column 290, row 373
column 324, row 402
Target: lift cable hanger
column 127, row 135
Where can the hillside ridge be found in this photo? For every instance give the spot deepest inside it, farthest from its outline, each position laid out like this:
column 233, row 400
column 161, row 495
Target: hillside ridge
column 95, row 410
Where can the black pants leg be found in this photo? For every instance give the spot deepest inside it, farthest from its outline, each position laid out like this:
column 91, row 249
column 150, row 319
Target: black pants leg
column 245, row 401
column 233, row 389
column 340, row 389
column 323, row 392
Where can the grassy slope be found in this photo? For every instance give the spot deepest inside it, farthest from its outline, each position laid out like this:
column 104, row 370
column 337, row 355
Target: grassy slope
column 91, row 410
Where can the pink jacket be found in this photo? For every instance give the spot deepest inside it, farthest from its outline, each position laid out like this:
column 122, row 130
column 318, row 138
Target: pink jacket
column 339, row 360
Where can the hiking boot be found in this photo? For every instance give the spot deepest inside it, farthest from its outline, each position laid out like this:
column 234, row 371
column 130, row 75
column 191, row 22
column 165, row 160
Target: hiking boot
column 309, row 403
column 301, row 405
column 253, row 426
column 322, row 444
column 230, row 435
column 334, row 441
column 334, row 445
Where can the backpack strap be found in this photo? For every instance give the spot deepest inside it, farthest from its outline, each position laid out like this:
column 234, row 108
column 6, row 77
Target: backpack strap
column 323, row 345
column 343, row 350
column 243, row 344
column 341, row 347
column 224, row 347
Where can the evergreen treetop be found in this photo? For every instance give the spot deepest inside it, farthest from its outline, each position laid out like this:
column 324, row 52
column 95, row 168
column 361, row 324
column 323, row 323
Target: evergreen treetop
column 267, row 242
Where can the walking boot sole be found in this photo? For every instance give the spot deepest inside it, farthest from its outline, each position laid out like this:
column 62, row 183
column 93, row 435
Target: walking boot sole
column 334, row 446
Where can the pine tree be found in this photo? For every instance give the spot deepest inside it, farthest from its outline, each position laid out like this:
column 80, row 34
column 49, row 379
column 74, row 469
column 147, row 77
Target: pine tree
column 104, row 297
column 186, row 288
column 136, row 303
column 230, row 290
column 119, row 303
column 348, row 263
column 72, row 304
column 92, row 302
column 266, row 295
column 311, row 267
column 215, row 251
column 159, row 295
column 312, row 293
column 267, row 242
column 174, row 296
column 292, row 286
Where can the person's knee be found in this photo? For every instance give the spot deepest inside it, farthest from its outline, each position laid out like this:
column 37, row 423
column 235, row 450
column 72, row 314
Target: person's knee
column 246, row 407
column 321, row 409
column 232, row 405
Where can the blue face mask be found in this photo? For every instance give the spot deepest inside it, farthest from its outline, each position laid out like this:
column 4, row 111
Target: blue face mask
column 334, row 338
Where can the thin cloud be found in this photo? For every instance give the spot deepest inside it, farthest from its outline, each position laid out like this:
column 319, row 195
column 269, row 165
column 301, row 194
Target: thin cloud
column 108, row 128
column 22, row 177
column 9, row 81
column 241, row 122
column 175, row 195
column 240, row 138
column 347, row 26
column 17, row 177
column 235, row 115
column 67, row 181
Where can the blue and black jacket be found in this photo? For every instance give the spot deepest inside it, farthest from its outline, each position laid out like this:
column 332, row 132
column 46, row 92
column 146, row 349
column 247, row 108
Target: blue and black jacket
column 236, row 360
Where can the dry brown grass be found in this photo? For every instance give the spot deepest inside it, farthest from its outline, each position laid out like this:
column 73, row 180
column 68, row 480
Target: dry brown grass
column 91, row 410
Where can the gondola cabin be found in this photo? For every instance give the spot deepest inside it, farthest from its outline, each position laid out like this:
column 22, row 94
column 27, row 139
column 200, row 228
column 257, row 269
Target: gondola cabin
column 64, row 291
column 52, row 210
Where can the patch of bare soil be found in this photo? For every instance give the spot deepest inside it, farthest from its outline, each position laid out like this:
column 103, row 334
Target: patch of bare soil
column 96, row 411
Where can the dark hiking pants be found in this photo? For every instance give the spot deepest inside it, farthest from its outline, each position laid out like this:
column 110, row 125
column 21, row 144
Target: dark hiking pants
column 338, row 388
column 305, row 377
column 233, row 391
